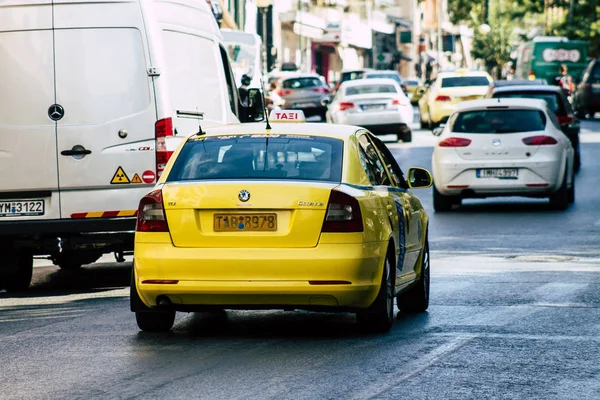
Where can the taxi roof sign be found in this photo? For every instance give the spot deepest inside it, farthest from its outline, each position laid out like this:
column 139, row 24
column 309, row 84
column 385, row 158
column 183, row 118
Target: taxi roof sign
column 287, row 116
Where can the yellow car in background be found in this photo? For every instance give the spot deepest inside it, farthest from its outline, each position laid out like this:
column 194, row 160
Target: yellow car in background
column 299, row 216
column 412, row 84
column 447, row 91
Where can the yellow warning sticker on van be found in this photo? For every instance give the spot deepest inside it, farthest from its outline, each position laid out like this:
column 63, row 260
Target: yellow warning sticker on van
column 136, row 179
column 120, row 177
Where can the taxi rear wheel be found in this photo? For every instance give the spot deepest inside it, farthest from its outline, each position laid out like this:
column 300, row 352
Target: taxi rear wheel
column 416, row 299
column 149, row 320
column 379, row 317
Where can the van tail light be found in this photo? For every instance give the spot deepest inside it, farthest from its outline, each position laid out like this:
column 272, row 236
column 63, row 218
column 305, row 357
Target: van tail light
column 539, row 140
column 442, row 97
column 454, row 142
column 565, row 119
column 285, row 92
column 321, row 90
column 343, row 214
column 399, row 102
column 162, row 129
column 151, row 213
column 346, row 105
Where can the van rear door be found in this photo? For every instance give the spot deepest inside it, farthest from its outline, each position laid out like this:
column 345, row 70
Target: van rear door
column 106, row 157
column 28, row 165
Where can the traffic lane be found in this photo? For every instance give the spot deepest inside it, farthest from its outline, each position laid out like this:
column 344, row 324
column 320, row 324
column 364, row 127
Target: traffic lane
column 514, row 224
column 496, row 327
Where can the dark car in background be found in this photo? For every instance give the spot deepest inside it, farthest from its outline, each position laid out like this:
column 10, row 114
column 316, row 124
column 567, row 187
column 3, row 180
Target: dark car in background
column 351, row 75
column 558, row 102
column 586, row 99
column 304, row 92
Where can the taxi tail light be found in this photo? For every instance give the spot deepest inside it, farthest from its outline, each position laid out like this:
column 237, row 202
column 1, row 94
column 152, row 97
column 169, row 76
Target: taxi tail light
column 442, row 97
column 162, row 129
column 343, row 214
column 539, row 140
column 454, row 142
column 151, row 213
column 346, row 105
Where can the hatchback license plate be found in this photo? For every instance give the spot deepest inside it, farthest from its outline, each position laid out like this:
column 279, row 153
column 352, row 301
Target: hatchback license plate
column 22, row 208
column 368, row 107
column 304, row 105
column 245, row 222
column 501, row 173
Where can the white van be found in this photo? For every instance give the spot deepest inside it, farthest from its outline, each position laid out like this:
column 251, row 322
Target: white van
column 94, row 95
column 245, row 53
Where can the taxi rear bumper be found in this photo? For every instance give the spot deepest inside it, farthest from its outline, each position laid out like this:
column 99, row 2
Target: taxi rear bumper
column 337, row 276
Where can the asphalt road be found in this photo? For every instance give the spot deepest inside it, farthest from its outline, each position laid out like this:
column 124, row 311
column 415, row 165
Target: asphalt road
column 515, row 313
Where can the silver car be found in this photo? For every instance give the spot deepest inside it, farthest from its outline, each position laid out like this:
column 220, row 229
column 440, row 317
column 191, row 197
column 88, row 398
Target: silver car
column 304, row 92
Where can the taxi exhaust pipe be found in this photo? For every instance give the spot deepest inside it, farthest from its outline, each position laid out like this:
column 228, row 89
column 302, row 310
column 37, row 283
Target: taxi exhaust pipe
column 163, row 301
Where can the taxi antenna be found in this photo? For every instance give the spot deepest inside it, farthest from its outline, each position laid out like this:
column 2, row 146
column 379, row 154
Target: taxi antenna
column 200, row 132
column 265, row 104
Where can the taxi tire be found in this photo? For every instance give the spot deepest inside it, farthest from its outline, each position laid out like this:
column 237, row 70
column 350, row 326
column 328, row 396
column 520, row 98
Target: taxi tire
column 149, row 320
column 19, row 278
column 416, row 299
column 560, row 199
column 442, row 202
column 379, row 317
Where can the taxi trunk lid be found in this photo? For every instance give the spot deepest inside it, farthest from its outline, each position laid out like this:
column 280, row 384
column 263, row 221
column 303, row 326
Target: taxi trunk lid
column 276, row 214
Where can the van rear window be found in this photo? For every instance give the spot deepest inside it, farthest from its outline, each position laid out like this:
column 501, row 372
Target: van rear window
column 498, row 121
column 281, row 157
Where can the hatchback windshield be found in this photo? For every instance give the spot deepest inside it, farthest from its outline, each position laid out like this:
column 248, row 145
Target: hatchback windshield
column 370, row 89
column 460, row 81
column 551, row 98
column 301, row 83
column 308, row 158
column 498, row 121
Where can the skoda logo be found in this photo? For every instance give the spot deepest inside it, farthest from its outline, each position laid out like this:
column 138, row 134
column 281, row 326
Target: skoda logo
column 56, row 112
column 244, row 196
column 496, row 142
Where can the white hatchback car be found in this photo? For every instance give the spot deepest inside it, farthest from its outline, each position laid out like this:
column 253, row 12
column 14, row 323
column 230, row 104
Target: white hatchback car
column 502, row 147
column 378, row 105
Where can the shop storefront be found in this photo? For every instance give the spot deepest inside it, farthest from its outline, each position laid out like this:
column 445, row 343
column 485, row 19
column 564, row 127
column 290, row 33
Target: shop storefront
column 298, row 30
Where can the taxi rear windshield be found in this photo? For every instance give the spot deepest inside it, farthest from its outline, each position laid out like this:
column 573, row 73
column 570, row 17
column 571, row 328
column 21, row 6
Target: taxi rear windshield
column 498, row 121
column 461, row 81
column 280, row 157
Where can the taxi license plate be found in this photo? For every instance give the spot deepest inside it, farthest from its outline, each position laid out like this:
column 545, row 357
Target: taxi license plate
column 500, row 173
column 22, row 208
column 245, row 222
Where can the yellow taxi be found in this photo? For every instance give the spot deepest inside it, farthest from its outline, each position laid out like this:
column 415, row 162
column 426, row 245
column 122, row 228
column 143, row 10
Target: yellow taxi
column 299, row 216
column 448, row 90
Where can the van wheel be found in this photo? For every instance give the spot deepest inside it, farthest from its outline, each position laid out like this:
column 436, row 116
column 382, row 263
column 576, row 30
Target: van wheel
column 442, row 202
column 20, row 267
column 379, row 317
column 560, row 199
column 149, row 320
column 416, row 299
column 405, row 136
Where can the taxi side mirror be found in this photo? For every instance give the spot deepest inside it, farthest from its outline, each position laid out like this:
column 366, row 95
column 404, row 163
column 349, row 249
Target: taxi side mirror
column 419, row 178
column 252, row 107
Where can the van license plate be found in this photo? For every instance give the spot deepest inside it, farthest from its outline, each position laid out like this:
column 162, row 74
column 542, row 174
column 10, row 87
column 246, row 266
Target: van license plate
column 245, row 222
column 22, row 208
column 500, row 173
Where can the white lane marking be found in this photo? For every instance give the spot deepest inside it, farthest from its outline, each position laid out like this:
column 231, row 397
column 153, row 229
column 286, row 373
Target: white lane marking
column 406, row 371
column 50, row 300
column 557, row 291
column 519, row 336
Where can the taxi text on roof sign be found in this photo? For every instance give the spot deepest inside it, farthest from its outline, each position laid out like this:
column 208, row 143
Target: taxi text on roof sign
column 287, row 116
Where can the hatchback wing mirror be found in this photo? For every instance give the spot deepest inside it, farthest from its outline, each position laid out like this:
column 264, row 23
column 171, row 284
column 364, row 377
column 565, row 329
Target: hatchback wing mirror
column 438, row 131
